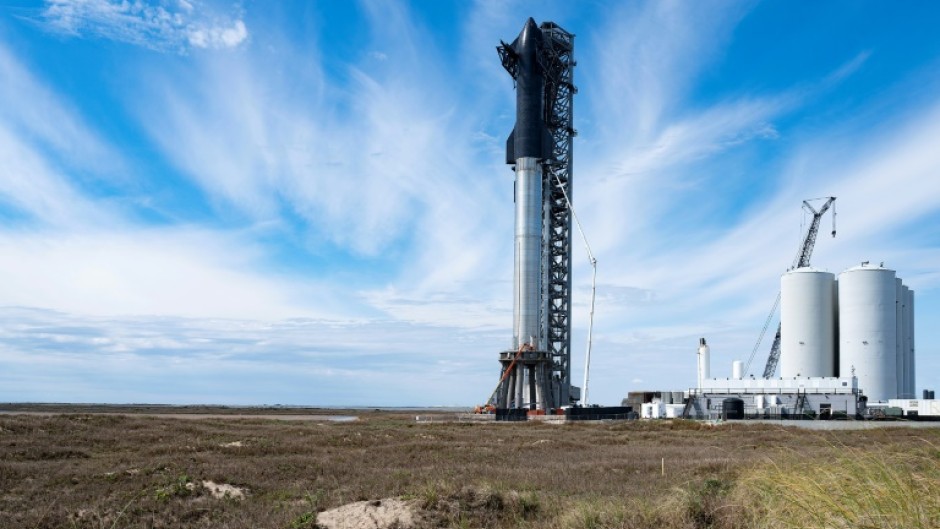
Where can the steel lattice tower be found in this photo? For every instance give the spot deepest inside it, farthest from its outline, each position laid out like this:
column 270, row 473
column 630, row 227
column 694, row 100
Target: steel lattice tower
column 558, row 65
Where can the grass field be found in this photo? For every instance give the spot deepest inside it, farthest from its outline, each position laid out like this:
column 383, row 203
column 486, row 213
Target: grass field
column 103, row 471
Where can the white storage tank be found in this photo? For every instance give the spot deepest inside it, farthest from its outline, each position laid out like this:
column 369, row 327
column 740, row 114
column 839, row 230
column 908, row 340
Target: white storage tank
column 835, row 328
column 868, row 330
column 807, row 324
column 901, row 340
column 737, row 370
column 905, row 341
column 909, row 362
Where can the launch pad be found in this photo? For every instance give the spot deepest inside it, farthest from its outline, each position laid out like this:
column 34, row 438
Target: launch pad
column 526, row 380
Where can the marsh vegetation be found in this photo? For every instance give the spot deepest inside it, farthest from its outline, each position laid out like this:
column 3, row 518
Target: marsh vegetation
column 102, row 471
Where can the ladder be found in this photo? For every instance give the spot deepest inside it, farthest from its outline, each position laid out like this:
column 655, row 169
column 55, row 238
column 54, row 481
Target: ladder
column 801, row 404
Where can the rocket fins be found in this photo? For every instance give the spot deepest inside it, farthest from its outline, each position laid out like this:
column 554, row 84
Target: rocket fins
column 511, row 147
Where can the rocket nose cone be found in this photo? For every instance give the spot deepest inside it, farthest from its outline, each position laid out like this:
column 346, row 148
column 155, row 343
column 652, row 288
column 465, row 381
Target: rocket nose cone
column 530, row 32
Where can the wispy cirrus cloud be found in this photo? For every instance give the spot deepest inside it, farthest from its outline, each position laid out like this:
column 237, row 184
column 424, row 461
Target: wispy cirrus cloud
column 33, row 188
column 43, row 140
column 648, row 57
column 159, row 25
column 39, row 115
column 383, row 163
column 127, row 269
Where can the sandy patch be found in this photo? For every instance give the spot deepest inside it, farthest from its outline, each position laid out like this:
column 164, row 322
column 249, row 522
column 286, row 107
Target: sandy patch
column 129, row 472
column 376, row 514
column 233, row 444
column 220, row 490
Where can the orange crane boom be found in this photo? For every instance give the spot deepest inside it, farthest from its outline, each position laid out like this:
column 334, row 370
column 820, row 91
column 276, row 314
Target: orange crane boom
column 488, row 407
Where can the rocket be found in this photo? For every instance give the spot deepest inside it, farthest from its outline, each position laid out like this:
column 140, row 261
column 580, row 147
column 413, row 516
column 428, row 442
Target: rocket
column 528, row 146
column 536, row 371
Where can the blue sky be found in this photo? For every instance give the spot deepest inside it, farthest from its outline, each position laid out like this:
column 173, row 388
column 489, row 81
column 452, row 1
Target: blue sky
column 306, row 202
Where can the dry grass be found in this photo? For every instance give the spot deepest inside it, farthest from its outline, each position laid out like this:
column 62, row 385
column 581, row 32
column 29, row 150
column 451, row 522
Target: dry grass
column 853, row 488
column 95, row 471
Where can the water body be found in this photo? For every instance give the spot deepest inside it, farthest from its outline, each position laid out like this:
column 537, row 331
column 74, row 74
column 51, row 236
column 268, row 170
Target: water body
column 198, row 416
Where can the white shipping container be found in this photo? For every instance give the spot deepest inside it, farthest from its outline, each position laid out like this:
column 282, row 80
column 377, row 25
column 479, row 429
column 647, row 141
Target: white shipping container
column 905, row 404
column 929, row 408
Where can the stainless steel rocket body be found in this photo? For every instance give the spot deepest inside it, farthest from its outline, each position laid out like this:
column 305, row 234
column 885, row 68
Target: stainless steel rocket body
column 527, row 147
column 527, row 274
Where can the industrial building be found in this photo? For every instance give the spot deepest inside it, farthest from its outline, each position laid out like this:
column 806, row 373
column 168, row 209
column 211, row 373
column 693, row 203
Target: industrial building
column 846, row 346
column 783, row 398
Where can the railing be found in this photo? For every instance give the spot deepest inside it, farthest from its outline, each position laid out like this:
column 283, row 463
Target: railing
column 772, row 391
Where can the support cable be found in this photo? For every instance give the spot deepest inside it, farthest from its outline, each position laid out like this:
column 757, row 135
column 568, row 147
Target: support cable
column 587, row 246
column 770, row 317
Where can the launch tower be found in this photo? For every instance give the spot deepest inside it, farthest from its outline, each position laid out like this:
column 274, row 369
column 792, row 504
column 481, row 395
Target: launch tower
column 536, row 371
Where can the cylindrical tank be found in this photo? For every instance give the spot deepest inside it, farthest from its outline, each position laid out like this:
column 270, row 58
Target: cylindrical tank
column 900, row 340
column 910, row 362
column 868, row 330
column 835, row 328
column 737, row 370
column 732, row 409
column 704, row 362
column 678, row 397
column 807, row 323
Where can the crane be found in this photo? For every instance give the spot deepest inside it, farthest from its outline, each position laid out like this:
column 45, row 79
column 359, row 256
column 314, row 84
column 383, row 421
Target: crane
column 801, row 260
